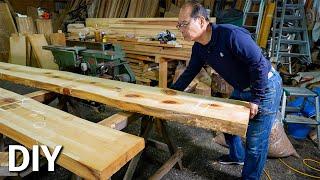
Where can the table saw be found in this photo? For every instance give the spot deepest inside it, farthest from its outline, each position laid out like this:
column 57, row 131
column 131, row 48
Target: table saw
column 109, row 63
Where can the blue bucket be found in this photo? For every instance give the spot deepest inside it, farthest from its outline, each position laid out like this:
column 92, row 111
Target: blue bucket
column 298, row 131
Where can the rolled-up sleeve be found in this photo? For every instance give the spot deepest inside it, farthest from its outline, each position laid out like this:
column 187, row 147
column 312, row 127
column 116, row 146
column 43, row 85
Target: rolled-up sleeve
column 242, row 45
column 194, row 67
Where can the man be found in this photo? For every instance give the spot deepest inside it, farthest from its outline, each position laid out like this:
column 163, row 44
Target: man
column 231, row 52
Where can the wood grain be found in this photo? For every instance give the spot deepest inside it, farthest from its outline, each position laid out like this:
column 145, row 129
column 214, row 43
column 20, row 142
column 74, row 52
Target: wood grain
column 89, row 150
column 224, row 115
column 44, row 57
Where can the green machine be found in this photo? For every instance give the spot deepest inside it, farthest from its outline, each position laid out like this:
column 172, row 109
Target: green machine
column 109, row 63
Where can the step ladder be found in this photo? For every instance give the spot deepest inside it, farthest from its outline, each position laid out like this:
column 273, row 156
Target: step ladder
column 249, row 13
column 290, row 35
column 300, row 92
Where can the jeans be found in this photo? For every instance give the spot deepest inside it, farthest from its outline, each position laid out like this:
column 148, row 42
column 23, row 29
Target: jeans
column 257, row 138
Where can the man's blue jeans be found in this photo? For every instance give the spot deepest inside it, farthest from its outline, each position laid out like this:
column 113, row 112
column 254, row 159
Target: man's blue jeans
column 257, row 139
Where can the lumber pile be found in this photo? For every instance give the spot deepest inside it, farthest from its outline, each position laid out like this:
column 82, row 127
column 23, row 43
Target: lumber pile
column 127, row 8
column 7, row 27
column 145, row 68
column 90, row 150
column 112, row 9
column 18, row 52
column 136, row 36
column 25, row 25
column 218, row 114
column 136, row 27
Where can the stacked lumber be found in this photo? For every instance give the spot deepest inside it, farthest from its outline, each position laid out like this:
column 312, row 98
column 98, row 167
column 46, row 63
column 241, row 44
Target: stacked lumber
column 25, row 25
column 43, row 58
column 146, row 69
column 18, row 52
column 112, row 8
column 44, row 26
column 7, row 27
column 143, row 8
column 135, row 34
column 226, row 115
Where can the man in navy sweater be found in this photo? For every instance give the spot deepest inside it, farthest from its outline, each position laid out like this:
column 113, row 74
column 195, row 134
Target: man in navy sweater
column 231, row 52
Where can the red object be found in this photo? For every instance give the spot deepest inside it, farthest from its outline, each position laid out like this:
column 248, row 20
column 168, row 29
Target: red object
column 45, row 15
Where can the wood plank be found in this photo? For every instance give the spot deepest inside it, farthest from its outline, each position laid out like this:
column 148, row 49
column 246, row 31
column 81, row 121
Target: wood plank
column 57, row 39
column 224, row 115
column 266, row 25
column 163, row 73
column 102, row 8
column 119, row 120
column 165, row 168
column 7, row 27
column 18, row 50
column 25, row 25
column 44, row 26
column 42, row 96
column 44, row 57
column 89, row 150
column 7, row 24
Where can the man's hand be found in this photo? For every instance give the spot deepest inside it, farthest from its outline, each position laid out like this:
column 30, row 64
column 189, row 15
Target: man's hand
column 253, row 110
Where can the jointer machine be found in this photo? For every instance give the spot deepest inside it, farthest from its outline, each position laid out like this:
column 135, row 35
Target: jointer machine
column 109, row 64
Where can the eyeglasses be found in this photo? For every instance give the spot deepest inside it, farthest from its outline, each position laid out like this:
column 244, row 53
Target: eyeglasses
column 183, row 25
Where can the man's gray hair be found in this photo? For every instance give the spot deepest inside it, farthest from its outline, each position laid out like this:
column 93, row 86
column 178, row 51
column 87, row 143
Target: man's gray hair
column 197, row 10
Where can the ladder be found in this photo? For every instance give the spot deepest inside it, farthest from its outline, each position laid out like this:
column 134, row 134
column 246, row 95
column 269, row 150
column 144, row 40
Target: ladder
column 250, row 14
column 290, row 36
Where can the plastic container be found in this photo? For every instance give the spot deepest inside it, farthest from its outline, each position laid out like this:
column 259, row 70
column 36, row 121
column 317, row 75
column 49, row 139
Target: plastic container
column 298, row 131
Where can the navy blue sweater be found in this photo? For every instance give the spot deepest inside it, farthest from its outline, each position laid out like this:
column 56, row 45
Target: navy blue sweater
column 233, row 54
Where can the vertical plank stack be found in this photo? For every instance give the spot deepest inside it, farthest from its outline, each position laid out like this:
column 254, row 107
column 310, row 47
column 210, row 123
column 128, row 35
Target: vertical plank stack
column 127, row 8
column 7, row 27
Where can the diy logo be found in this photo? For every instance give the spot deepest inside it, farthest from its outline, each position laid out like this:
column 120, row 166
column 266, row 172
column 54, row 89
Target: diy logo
column 35, row 157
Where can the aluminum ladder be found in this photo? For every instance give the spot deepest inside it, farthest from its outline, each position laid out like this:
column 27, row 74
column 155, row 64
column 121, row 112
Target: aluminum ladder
column 249, row 13
column 290, row 36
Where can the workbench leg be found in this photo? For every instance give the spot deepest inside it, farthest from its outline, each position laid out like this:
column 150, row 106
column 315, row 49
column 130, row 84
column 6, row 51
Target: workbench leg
column 172, row 147
column 168, row 165
column 163, row 73
column 146, row 127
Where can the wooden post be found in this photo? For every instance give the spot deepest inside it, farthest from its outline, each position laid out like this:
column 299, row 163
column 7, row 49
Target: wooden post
column 146, row 127
column 163, row 73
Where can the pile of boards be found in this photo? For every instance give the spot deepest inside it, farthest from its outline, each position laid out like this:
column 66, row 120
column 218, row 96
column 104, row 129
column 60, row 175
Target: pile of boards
column 126, row 8
column 21, row 43
column 135, row 34
column 146, row 69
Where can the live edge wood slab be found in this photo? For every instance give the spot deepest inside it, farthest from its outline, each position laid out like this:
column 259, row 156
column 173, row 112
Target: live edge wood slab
column 218, row 114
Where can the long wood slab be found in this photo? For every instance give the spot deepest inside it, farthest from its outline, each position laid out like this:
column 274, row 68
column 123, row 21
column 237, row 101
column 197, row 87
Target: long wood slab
column 206, row 112
column 90, row 150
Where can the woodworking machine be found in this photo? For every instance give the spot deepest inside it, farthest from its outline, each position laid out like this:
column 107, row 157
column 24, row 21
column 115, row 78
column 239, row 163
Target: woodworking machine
column 109, row 63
